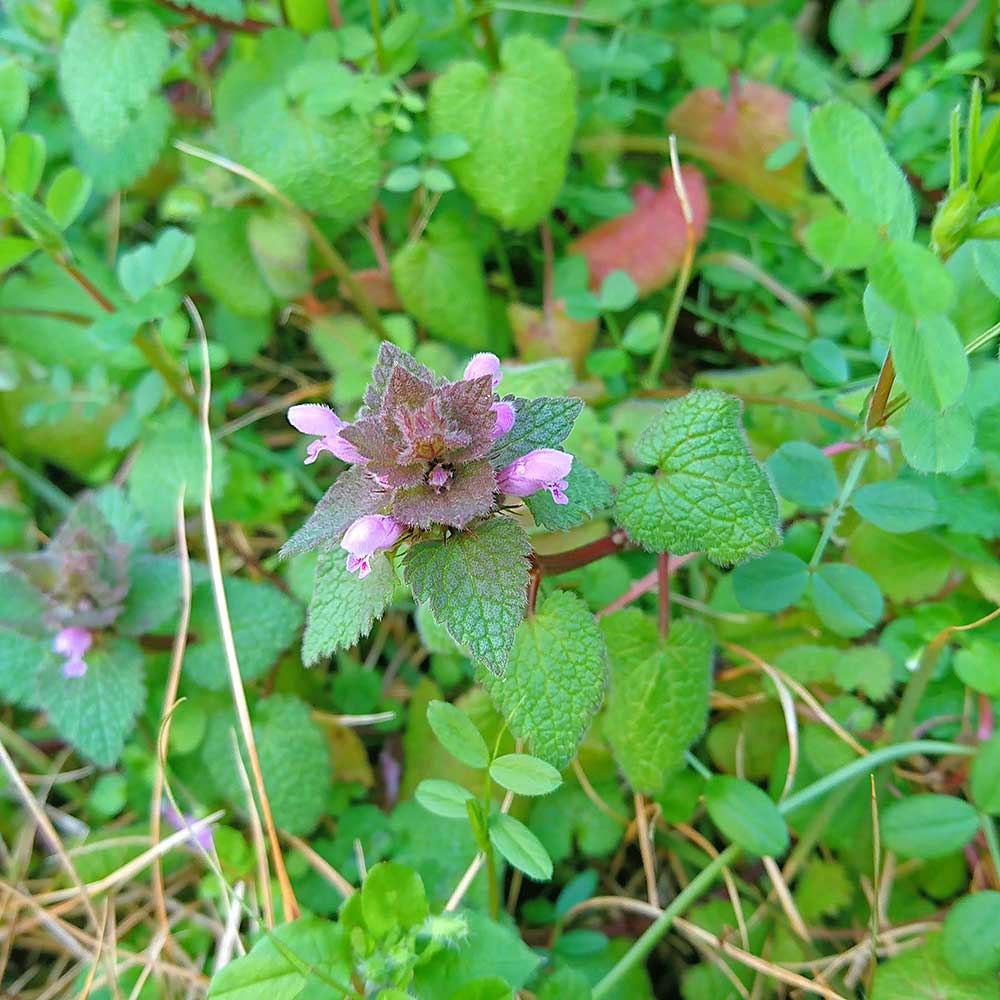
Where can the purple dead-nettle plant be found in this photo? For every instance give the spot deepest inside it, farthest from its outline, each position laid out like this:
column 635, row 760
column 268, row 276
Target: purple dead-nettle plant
column 440, row 471
column 77, row 585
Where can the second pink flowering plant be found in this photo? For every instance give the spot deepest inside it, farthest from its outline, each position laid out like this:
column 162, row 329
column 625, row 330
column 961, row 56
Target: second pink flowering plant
column 437, row 469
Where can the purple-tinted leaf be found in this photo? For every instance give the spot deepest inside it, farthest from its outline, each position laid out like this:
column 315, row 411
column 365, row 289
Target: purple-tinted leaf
column 468, row 495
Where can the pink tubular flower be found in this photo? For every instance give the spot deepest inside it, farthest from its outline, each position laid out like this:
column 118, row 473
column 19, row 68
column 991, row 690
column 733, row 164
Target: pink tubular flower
column 321, row 421
column 541, row 469
column 72, row 643
column 484, row 364
column 505, row 418
column 366, row 536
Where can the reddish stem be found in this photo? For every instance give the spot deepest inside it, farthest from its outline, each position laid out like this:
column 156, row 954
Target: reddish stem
column 534, row 580
column 645, row 585
column 563, row 562
column 251, row 26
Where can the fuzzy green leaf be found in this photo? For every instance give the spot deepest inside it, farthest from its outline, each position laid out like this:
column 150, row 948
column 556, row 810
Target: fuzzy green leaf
column 542, row 422
column 936, row 442
column 519, row 124
column 349, row 498
column 849, row 157
column 440, row 280
column 476, row 583
column 709, row 493
column 343, row 606
column 555, row 678
column 658, row 698
column 225, row 262
column 294, row 758
column 911, row 279
column 265, row 622
column 22, row 657
column 108, row 68
column 931, row 363
column 97, row 711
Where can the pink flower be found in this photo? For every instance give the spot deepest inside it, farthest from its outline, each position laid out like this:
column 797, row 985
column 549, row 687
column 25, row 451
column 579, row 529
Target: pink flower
column 72, row 643
column 483, row 364
column 541, row 469
column 367, row 536
column 201, row 834
column 439, row 477
column 505, row 418
column 321, row 421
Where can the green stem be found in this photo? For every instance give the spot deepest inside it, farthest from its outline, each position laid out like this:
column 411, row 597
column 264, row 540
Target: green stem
column 489, row 40
column 707, row 876
column 697, row 765
column 914, row 691
column 833, row 518
column 913, row 29
column 377, row 34
column 39, row 484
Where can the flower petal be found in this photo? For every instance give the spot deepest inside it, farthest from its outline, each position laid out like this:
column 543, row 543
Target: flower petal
column 314, row 418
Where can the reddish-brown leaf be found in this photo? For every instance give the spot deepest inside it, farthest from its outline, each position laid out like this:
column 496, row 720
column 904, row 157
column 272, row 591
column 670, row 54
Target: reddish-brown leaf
column 649, row 242
column 736, row 134
column 555, row 336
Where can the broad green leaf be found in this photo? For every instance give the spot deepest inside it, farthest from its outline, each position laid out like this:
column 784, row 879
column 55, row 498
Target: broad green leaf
column 153, row 596
column 476, row 584
column 67, row 196
column 825, row 362
column 519, row 123
column 542, row 422
column 520, row 847
column 840, row 241
column 936, row 442
column 985, row 776
column 267, row 973
column 132, row 155
column 804, row 475
column 109, row 66
column 490, row 949
column 970, row 938
column 393, row 899
column 896, row 506
column 746, row 815
column 265, row 623
column 930, row 360
column 171, row 455
column 923, row 974
column 97, row 711
column 14, row 249
column 987, row 257
column 279, row 243
column 847, row 600
column 587, row 492
column 444, row 798
column 928, row 826
column 911, row 279
column 771, row 583
column 22, row 657
column 225, row 264
column 977, row 667
column 709, row 493
column 907, row 568
column 24, row 162
column 14, row 96
column 343, row 607
column 849, row 157
column 294, row 758
column 349, row 498
column 440, row 280
column 658, row 697
column 457, row 733
column 327, row 165
column 555, row 678
column 525, row 775
column 493, row 988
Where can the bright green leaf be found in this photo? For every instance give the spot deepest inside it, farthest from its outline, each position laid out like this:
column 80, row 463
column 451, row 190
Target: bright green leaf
column 457, row 733
column 847, row 600
column 746, row 815
column 520, row 847
column 525, row 775
column 444, row 798
column 928, row 826
column 709, row 494
column 896, row 506
column 930, row 360
column 771, row 583
column 804, row 475
column 555, row 678
column 911, row 279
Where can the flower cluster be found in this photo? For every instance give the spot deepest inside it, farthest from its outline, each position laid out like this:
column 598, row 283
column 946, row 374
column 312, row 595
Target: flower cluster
column 78, row 582
column 423, row 453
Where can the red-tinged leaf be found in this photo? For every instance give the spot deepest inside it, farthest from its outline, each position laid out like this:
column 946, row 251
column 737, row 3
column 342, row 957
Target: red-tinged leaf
column 554, row 336
column 649, row 242
column 736, row 134
column 378, row 286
